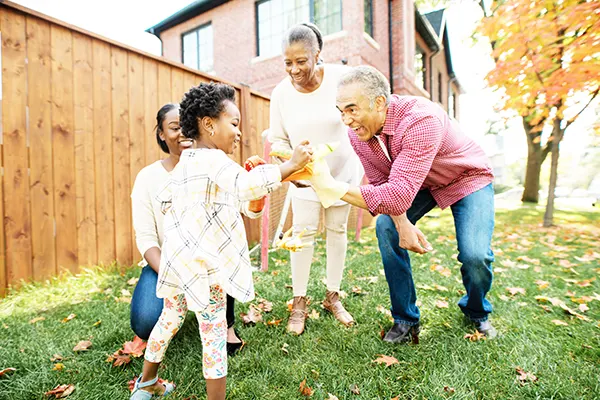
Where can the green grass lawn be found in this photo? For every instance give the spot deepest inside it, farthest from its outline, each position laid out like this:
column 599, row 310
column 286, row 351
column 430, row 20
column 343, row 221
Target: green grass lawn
column 561, row 264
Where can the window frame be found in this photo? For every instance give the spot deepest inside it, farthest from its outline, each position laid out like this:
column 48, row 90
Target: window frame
column 311, row 13
column 197, row 31
column 419, row 49
column 370, row 5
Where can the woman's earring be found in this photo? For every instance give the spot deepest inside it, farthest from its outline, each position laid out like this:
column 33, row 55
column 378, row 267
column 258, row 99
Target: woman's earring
column 212, row 133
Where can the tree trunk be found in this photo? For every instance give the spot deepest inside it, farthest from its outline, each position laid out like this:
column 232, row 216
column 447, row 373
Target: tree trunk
column 536, row 154
column 531, row 187
column 557, row 135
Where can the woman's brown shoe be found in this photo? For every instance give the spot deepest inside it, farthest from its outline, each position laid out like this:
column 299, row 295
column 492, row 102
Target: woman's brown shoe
column 298, row 316
column 333, row 304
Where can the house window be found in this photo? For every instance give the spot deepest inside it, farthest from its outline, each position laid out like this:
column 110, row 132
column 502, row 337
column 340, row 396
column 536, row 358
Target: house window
column 440, row 87
column 419, row 67
column 198, row 48
column 275, row 17
column 369, row 17
column 452, row 104
column 327, row 15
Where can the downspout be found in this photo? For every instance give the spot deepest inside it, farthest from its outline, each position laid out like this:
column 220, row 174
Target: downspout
column 390, row 46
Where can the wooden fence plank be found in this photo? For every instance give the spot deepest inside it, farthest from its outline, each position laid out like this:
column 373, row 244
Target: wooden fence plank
column 3, row 282
column 121, row 161
column 105, row 210
column 164, row 92
column 176, row 85
column 63, row 144
column 150, row 109
column 17, row 216
column 137, row 135
column 39, row 72
column 85, row 188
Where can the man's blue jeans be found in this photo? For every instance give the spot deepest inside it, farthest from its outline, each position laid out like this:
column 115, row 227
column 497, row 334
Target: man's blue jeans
column 474, row 223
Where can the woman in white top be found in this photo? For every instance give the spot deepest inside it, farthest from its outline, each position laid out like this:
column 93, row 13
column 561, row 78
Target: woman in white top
column 205, row 252
column 303, row 108
column 146, row 307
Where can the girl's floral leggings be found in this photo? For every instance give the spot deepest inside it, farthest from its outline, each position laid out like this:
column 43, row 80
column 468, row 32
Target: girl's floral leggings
column 213, row 332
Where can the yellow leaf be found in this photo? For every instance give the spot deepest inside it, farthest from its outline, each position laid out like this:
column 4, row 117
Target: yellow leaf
column 515, row 290
column 58, row 367
column 36, row 319
column 82, row 345
column 314, row 314
column 475, row 337
column 68, row 318
column 441, row 304
column 542, row 284
column 559, row 322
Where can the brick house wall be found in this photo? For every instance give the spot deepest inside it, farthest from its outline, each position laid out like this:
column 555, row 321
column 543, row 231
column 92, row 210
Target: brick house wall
column 235, row 53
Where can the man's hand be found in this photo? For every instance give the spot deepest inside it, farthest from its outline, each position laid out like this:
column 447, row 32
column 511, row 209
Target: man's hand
column 411, row 238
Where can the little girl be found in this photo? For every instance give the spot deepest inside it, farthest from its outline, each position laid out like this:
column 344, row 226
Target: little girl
column 205, row 252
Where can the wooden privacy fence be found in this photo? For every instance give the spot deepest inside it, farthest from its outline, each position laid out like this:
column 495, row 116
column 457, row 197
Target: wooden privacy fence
column 77, row 124
column 78, row 113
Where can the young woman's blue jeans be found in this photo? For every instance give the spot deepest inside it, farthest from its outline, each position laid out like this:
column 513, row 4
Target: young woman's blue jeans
column 474, row 224
column 146, row 307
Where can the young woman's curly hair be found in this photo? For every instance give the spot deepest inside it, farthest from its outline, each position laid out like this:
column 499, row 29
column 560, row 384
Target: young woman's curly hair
column 204, row 100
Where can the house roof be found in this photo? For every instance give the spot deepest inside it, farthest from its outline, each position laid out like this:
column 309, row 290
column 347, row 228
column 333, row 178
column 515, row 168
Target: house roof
column 426, row 31
column 437, row 20
column 196, row 8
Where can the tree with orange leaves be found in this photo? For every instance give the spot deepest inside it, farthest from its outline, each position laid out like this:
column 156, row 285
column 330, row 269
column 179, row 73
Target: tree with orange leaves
column 547, row 57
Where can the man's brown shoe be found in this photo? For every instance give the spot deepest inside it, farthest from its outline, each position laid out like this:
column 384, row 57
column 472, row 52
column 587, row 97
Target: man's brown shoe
column 297, row 319
column 333, row 304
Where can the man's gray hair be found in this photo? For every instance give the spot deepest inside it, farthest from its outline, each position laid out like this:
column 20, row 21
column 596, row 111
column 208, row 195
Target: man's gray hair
column 373, row 82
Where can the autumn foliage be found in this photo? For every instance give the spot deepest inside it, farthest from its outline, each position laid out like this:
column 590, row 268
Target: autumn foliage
column 546, row 52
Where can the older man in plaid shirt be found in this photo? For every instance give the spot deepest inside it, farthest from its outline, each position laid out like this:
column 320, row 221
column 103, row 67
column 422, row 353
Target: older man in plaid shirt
column 415, row 158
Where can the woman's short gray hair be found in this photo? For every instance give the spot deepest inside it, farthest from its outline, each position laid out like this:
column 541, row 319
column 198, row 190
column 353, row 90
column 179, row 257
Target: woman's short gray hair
column 373, row 82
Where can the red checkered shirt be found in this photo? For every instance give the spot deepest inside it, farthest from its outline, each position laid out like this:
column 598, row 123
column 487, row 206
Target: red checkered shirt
column 427, row 150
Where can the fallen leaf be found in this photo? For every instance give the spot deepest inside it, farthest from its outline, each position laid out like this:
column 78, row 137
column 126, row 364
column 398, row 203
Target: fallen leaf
column 133, row 281
column 354, row 388
column 68, row 318
column 125, row 292
column 585, row 283
column 123, row 299
column 573, row 312
column 475, row 337
column 274, row 322
column 118, row 358
column 504, row 297
column 135, row 348
column 387, row 360
column 58, row 367
column 314, row 314
column 332, row 397
column 290, row 304
column 559, row 322
column 82, row 345
column 449, row 389
column 583, row 307
column 524, row 377
column 586, row 346
column 36, row 319
column 61, row 391
column 542, row 284
column 357, row 290
column 56, row 357
column 441, row 304
column 515, row 290
column 537, row 269
column 97, row 323
column 284, row 348
column 265, row 305
column 444, row 271
column 440, row 288
column 566, row 264
column 305, row 390
column 254, row 315
column 6, row 372
column 545, row 308
column 529, row 260
column 553, row 300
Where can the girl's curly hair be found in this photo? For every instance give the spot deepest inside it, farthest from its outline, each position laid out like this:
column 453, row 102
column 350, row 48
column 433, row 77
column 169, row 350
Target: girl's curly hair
column 204, row 100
